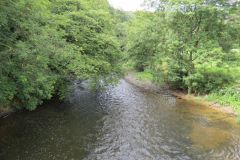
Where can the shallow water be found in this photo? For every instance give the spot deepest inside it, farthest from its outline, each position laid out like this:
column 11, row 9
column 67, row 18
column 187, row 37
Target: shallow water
column 121, row 123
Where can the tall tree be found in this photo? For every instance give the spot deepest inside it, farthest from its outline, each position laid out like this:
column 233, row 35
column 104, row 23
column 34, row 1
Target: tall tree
column 46, row 44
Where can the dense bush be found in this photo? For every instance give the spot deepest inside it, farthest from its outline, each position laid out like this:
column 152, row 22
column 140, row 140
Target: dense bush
column 208, row 79
column 45, row 44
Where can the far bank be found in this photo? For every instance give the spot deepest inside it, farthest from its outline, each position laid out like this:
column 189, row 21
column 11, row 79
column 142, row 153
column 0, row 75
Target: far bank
column 145, row 81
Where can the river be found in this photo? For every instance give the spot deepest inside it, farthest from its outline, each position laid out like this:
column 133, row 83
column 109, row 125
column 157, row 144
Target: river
column 122, row 122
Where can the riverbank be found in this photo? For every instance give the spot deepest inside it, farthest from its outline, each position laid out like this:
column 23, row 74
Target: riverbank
column 4, row 112
column 147, row 84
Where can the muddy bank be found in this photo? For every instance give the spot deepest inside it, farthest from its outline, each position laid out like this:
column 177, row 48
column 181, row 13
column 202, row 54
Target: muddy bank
column 143, row 84
column 202, row 101
column 150, row 86
column 4, row 112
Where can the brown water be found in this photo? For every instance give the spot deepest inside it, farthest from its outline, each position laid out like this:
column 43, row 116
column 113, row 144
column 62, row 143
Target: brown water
column 121, row 123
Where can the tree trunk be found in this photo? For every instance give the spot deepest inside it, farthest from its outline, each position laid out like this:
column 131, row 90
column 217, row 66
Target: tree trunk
column 190, row 72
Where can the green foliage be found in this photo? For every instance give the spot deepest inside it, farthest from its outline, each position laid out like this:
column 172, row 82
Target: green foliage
column 189, row 45
column 141, row 48
column 227, row 96
column 207, row 79
column 144, row 76
column 44, row 45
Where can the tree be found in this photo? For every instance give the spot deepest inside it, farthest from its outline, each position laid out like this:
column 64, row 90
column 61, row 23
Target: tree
column 188, row 43
column 45, row 45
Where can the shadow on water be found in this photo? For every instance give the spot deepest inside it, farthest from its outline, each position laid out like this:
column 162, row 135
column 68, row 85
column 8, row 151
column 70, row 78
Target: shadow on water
column 120, row 123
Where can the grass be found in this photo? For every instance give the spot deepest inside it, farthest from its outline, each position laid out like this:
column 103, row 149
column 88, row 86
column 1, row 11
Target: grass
column 228, row 100
column 144, row 76
column 227, row 97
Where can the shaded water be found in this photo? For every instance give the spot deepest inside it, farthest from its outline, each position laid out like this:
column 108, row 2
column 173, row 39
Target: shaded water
column 121, row 123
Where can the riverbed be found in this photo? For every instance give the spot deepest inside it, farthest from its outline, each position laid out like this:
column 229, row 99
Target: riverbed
column 122, row 122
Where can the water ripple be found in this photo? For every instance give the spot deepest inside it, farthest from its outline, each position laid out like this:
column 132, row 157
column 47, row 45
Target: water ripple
column 120, row 123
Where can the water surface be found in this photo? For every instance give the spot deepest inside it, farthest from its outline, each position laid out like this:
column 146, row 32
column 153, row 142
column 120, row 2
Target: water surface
column 121, row 123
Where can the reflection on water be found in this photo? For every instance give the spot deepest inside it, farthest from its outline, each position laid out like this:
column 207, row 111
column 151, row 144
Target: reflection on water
column 121, row 123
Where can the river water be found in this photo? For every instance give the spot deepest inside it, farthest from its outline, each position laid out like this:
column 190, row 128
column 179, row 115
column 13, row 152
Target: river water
column 121, row 123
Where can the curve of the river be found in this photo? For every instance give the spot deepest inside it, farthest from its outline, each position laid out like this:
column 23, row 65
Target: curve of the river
column 121, row 123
